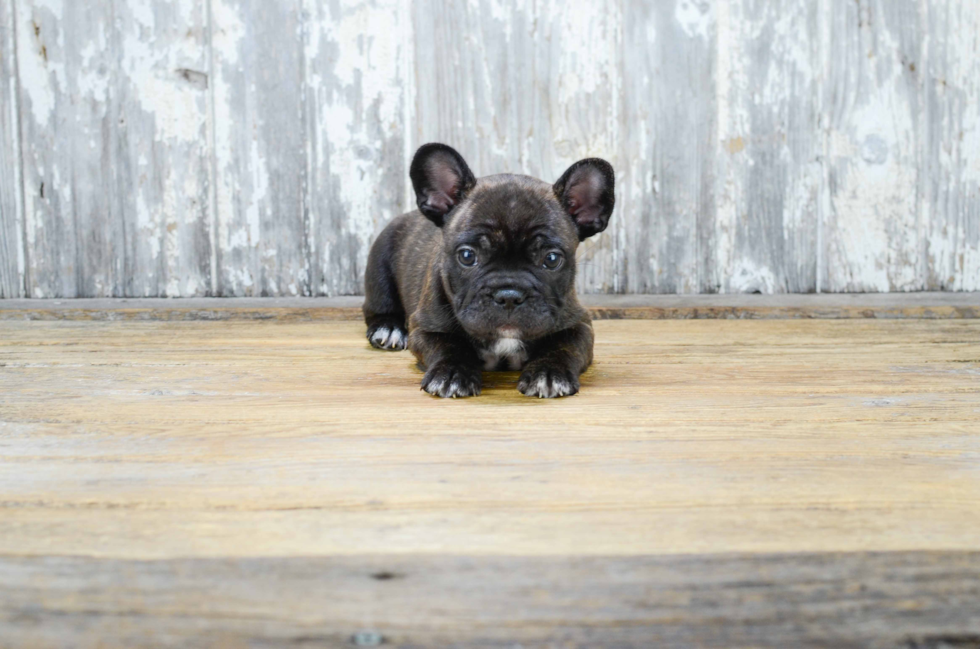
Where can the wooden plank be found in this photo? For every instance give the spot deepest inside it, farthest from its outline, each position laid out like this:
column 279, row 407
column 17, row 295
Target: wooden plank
column 873, row 99
column 11, row 206
column 247, row 439
column 922, row 600
column 931, row 306
column 744, row 483
column 521, row 88
column 358, row 58
column 161, row 157
column 260, row 148
column 951, row 161
column 75, row 234
column 787, row 146
column 117, row 164
column 765, row 236
column 667, row 147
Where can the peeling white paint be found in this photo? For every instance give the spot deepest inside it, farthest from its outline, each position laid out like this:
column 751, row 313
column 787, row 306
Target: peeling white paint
column 227, row 36
column 695, row 17
column 587, row 66
column 42, row 75
column 366, row 73
column 874, row 239
column 730, row 81
column 255, row 209
column 834, row 148
column 747, row 277
column 157, row 83
column 13, row 264
column 584, row 112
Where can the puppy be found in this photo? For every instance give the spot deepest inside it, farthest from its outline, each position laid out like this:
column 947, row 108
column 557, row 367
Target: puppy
column 482, row 276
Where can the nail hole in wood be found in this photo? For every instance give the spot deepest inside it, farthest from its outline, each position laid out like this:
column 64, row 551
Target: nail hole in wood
column 385, row 575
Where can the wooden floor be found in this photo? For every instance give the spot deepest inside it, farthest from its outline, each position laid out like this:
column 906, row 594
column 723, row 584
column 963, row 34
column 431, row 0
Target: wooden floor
column 265, row 483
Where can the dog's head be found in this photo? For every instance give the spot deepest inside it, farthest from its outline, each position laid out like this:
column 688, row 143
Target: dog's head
column 509, row 241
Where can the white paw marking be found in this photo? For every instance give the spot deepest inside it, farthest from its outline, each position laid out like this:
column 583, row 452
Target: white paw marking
column 434, row 386
column 381, row 336
column 561, row 388
column 447, row 389
column 544, row 389
column 397, row 339
column 389, row 338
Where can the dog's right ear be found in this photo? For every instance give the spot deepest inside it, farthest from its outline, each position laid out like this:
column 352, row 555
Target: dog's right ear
column 441, row 179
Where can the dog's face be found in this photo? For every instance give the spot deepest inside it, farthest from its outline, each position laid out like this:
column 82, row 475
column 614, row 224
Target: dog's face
column 509, row 241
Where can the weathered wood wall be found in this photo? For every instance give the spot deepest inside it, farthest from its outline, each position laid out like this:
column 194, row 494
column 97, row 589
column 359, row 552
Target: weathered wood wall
column 255, row 147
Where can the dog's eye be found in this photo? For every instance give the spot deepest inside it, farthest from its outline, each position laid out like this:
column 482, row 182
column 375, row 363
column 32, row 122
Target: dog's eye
column 466, row 256
column 553, row 260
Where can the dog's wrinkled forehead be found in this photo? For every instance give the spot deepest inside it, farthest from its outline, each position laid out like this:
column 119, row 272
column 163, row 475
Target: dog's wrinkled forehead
column 509, row 206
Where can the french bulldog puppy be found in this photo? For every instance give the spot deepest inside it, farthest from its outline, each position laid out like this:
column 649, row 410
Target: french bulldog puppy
column 482, row 276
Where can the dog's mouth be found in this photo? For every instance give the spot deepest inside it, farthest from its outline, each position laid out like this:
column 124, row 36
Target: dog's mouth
column 485, row 320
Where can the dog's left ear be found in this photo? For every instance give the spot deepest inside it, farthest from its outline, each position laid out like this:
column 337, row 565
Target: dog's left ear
column 587, row 192
column 441, row 179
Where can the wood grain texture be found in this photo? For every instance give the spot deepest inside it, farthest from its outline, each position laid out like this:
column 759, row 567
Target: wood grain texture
column 951, row 162
column 247, row 148
column 357, row 91
column 75, row 231
column 11, row 206
column 260, row 148
column 766, row 232
column 874, row 106
column 722, row 483
column 115, row 109
column 865, row 600
column 161, row 153
column 237, row 439
column 666, row 185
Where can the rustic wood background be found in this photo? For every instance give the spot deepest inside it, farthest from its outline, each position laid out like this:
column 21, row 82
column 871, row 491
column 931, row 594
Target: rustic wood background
column 255, row 147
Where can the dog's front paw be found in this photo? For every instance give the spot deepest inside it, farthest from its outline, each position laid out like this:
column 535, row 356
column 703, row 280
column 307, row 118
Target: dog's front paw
column 388, row 336
column 445, row 380
column 547, row 382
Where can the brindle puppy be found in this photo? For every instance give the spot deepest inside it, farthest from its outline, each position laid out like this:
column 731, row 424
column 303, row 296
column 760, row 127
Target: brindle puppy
column 482, row 276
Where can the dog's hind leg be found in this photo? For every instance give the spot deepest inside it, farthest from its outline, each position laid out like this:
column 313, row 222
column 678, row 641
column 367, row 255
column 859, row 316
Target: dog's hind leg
column 383, row 310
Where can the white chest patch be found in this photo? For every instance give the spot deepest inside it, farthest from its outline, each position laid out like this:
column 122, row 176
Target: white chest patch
column 509, row 350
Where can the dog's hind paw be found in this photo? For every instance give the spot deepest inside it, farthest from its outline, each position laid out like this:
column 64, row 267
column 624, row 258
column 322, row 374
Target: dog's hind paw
column 388, row 337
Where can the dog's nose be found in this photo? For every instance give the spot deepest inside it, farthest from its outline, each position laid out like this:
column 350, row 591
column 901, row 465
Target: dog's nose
column 509, row 297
